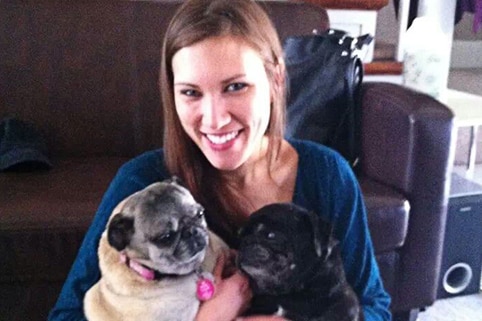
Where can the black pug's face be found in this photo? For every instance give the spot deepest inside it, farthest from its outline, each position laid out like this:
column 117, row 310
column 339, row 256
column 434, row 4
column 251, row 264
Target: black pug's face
column 280, row 247
column 162, row 227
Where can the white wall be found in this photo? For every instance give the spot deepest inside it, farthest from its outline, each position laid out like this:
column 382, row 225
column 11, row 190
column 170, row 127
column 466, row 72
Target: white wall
column 466, row 48
column 387, row 25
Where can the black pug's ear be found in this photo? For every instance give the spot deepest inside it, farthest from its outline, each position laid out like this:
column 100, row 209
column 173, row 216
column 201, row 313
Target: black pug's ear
column 175, row 180
column 322, row 236
column 315, row 225
column 240, row 231
column 120, row 231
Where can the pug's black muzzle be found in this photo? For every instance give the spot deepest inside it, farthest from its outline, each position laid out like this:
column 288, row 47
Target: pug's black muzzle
column 254, row 254
column 192, row 241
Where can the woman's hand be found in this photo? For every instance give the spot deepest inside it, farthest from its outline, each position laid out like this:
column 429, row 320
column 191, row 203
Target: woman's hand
column 232, row 294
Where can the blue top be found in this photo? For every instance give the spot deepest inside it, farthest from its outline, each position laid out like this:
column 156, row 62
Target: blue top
column 325, row 184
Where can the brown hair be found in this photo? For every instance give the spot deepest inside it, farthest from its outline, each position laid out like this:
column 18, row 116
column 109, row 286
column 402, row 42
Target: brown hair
column 194, row 21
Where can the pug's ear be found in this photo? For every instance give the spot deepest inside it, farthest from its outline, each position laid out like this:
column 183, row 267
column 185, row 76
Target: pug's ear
column 326, row 252
column 322, row 236
column 241, row 231
column 329, row 242
column 175, row 180
column 315, row 225
column 120, row 231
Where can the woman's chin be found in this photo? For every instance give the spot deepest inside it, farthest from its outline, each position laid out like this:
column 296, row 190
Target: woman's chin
column 225, row 163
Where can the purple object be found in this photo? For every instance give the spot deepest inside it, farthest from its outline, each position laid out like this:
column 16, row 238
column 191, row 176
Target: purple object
column 473, row 6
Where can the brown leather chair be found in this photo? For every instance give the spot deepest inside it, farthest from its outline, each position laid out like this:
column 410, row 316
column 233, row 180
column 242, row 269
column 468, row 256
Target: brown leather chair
column 86, row 75
column 407, row 152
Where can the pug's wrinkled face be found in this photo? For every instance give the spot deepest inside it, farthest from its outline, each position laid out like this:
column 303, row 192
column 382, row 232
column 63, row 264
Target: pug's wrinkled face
column 161, row 227
column 280, row 246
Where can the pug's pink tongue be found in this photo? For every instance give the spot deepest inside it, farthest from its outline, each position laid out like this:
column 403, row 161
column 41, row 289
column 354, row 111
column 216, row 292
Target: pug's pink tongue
column 146, row 273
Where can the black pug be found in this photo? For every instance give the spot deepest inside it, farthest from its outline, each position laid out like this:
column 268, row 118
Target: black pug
column 295, row 267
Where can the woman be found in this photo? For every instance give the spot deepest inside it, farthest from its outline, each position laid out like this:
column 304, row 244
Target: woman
column 222, row 85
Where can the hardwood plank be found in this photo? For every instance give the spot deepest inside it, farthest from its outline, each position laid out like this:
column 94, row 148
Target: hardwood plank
column 383, row 67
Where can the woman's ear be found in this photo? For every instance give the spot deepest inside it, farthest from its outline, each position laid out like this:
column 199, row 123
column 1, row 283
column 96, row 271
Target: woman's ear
column 279, row 79
column 280, row 73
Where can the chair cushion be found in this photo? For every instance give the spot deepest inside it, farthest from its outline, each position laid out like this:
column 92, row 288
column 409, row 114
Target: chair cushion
column 388, row 213
column 44, row 216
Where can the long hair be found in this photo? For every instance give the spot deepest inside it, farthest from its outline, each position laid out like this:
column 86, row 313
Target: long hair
column 194, row 21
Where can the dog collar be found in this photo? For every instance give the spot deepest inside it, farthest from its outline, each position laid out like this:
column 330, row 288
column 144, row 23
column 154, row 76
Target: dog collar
column 204, row 284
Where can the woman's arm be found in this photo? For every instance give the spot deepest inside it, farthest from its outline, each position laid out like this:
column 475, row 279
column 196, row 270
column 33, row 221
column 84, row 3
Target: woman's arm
column 327, row 185
column 351, row 228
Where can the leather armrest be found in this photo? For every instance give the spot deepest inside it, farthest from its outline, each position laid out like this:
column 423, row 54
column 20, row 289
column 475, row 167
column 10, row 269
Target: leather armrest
column 407, row 143
column 404, row 133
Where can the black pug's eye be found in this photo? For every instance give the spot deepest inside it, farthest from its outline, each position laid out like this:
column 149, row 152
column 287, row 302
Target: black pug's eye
column 262, row 231
column 164, row 239
column 270, row 235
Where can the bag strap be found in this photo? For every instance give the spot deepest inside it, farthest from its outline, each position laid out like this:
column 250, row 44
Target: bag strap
column 353, row 79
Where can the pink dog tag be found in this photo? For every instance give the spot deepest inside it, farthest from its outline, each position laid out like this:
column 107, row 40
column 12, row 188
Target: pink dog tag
column 205, row 289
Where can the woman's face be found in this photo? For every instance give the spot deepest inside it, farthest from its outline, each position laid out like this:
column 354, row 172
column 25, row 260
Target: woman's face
column 222, row 96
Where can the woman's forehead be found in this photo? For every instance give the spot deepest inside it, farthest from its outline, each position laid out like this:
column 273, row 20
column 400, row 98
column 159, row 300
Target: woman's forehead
column 224, row 57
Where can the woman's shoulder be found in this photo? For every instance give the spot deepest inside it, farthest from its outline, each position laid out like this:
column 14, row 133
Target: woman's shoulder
column 319, row 164
column 134, row 175
column 321, row 155
column 152, row 160
column 143, row 169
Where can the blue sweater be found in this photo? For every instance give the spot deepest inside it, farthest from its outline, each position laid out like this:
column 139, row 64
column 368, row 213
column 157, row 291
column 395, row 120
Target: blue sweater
column 325, row 184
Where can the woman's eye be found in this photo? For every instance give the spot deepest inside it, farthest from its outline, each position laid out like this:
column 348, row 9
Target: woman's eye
column 236, row 86
column 190, row 93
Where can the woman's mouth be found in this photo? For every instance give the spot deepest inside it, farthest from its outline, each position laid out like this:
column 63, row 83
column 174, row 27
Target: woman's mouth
column 223, row 138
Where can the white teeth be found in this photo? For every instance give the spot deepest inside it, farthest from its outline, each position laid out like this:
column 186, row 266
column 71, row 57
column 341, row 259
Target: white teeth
column 222, row 139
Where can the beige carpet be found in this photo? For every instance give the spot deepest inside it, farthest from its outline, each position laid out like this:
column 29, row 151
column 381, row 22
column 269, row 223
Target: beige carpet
column 461, row 308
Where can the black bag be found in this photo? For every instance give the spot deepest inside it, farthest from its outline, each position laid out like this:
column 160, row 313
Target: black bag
column 324, row 77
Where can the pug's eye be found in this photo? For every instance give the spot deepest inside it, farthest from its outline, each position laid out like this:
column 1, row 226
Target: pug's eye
column 165, row 238
column 271, row 235
column 200, row 213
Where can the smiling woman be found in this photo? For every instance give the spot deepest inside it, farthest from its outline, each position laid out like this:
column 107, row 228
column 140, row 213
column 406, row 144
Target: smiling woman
column 223, row 89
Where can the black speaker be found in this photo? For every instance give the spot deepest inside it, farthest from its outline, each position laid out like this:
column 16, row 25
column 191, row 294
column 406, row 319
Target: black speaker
column 462, row 252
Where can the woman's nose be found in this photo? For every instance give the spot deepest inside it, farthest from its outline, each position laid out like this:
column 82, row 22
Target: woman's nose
column 214, row 112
